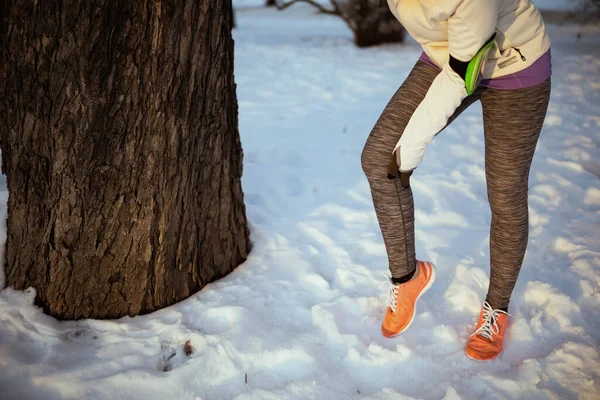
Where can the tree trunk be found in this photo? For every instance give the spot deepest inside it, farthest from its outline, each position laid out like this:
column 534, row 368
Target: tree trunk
column 371, row 21
column 118, row 129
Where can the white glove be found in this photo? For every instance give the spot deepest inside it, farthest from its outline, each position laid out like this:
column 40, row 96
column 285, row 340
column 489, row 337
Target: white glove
column 445, row 94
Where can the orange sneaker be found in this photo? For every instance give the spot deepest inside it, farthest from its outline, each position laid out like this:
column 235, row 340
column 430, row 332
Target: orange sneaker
column 402, row 301
column 486, row 342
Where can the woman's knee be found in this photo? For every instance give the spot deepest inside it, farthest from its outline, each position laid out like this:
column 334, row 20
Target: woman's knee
column 371, row 160
column 364, row 159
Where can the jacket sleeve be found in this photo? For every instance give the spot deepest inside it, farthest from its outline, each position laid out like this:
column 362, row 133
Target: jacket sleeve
column 469, row 27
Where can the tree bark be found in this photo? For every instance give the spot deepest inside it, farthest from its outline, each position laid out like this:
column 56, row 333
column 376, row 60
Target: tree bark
column 371, row 21
column 120, row 143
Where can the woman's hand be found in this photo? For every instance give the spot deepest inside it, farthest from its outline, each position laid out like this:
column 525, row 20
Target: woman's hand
column 469, row 29
column 394, row 169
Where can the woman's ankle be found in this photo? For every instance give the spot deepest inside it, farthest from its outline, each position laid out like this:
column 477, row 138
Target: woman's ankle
column 405, row 278
column 494, row 305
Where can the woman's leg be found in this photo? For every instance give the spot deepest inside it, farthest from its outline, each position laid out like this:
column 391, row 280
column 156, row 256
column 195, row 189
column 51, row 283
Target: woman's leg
column 512, row 121
column 393, row 202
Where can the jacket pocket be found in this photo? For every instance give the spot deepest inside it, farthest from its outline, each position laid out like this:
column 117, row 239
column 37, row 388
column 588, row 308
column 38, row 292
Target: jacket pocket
column 511, row 53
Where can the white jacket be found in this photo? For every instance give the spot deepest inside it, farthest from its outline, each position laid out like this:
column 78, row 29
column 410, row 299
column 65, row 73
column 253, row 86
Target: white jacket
column 461, row 28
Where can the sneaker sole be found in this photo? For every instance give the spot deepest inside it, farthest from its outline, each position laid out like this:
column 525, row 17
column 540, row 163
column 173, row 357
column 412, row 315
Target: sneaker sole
column 425, row 289
column 483, row 361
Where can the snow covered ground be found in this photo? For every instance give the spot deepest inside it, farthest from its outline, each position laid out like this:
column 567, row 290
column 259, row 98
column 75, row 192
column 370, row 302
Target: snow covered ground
column 301, row 318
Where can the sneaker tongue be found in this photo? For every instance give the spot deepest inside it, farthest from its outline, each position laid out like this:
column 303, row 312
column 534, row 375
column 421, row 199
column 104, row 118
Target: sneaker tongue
column 485, row 335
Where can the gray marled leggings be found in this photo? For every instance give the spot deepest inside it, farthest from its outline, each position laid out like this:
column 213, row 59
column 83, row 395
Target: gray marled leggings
column 512, row 121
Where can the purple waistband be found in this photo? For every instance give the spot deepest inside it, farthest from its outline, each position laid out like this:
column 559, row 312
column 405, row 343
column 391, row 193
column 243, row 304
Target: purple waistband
column 533, row 75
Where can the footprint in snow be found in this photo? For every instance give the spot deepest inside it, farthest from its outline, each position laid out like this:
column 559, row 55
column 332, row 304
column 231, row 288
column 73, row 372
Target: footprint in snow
column 173, row 355
column 80, row 334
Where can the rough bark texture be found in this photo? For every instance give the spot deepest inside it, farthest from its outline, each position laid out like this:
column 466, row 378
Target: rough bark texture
column 118, row 129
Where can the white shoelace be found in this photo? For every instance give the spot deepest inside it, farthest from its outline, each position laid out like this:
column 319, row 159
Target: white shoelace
column 392, row 293
column 489, row 327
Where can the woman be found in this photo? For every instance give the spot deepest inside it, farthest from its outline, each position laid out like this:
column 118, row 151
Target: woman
column 495, row 51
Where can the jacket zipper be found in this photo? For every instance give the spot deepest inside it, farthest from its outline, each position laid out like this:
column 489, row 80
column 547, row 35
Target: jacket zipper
column 511, row 45
column 519, row 51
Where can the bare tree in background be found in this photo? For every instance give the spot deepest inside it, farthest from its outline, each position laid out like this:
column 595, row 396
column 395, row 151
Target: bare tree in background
column 371, row 21
column 584, row 12
column 591, row 11
column 592, row 8
column 585, row 3
column 120, row 143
